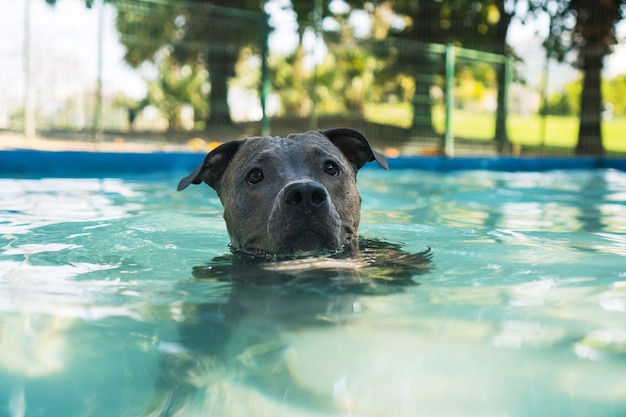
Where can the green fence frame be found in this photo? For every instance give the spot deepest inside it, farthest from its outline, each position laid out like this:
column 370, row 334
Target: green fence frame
column 453, row 52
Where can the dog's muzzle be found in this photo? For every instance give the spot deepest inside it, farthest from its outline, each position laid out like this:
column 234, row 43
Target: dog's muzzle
column 304, row 218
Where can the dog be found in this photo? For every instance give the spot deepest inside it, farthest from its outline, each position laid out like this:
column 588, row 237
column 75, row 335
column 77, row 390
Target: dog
column 292, row 211
column 293, row 195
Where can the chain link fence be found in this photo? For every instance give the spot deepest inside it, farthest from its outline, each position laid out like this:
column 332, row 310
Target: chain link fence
column 175, row 71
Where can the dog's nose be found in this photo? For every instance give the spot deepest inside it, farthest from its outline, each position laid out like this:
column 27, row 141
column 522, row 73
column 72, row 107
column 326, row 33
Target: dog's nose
column 305, row 195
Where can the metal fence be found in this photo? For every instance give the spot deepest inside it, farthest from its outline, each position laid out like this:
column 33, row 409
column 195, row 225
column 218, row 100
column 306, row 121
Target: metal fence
column 173, row 71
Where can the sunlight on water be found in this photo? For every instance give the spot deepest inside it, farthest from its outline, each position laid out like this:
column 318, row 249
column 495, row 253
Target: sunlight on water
column 111, row 303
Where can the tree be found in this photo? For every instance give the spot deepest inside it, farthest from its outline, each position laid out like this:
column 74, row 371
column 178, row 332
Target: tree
column 194, row 33
column 477, row 24
column 595, row 34
column 348, row 77
column 311, row 12
column 588, row 28
column 175, row 87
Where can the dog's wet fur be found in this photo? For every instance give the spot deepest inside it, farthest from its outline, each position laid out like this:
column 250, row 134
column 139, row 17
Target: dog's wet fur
column 379, row 267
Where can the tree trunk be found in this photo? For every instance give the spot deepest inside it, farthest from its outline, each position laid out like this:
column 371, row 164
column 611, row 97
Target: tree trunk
column 501, row 135
column 427, row 69
column 590, row 131
column 425, row 65
column 221, row 66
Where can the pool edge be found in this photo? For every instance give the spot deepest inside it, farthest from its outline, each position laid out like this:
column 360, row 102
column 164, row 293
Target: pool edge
column 36, row 163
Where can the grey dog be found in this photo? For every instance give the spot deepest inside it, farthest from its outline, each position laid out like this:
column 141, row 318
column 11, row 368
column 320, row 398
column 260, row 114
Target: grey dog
column 292, row 195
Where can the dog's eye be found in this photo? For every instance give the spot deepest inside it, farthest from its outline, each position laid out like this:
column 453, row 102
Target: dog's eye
column 255, row 176
column 331, row 168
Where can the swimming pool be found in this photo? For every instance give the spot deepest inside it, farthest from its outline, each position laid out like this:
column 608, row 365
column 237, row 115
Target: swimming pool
column 523, row 312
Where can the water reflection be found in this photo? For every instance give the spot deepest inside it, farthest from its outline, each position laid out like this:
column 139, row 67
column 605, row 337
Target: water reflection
column 556, row 217
column 39, row 351
column 239, row 345
column 277, row 351
column 29, row 204
column 557, row 201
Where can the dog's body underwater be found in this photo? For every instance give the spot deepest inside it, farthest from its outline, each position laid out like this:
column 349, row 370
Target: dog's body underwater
column 293, row 195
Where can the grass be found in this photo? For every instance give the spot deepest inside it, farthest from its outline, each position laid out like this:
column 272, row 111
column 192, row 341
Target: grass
column 399, row 114
column 559, row 131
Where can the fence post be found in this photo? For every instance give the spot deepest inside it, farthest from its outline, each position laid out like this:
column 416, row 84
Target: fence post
column 30, row 123
column 97, row 116
column 508, row 79
column 265, row 79
column 316, row 16
column 449, row 134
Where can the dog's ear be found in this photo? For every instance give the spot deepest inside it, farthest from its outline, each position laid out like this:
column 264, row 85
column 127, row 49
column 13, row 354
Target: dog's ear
column 354, row 146
column 213, row 166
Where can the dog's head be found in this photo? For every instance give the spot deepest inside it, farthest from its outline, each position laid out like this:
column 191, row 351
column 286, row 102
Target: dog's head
column 289, row 195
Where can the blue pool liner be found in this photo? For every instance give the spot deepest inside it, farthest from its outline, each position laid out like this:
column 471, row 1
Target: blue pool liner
column 76, row 164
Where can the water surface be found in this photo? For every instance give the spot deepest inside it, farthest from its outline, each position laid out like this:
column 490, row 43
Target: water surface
column 523, row 312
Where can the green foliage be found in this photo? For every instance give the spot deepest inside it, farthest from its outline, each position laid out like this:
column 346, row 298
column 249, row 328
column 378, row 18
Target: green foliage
column 474, row 83
column 560, row 104
column 353, row 71
column 350, row 75
column 614, row 93
column 175, row 87
column 567, row 101
column 290, row 80
column 477, row 24
column 579, row 25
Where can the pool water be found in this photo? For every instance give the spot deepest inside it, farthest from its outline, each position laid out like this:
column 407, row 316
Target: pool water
column 522, row 313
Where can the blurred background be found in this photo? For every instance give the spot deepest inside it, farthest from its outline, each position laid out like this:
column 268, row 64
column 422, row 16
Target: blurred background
column 418, row 77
